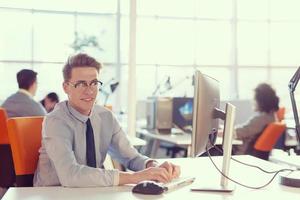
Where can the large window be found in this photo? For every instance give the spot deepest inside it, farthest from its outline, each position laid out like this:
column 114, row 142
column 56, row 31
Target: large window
column 239, row 42
column 41, row 36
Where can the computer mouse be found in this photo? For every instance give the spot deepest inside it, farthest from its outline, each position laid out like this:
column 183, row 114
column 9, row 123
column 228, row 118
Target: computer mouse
column 148, row 187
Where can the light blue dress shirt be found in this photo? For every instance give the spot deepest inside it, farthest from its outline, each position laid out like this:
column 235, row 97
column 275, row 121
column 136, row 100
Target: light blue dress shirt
column 62, row 159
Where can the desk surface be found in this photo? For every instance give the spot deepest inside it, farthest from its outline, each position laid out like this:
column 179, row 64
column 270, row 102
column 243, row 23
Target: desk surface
column 286, row 159
column 201, row 168
column 184, row 139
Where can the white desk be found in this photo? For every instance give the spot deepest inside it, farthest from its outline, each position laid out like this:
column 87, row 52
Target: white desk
column 181, row 139
column 286, row 159
column 201, row 168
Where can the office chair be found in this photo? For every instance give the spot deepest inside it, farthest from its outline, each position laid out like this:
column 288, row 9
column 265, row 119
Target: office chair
column 7, row 171
column 25, row 138
column 268, row 138
column 280, row 113
column 280, row 144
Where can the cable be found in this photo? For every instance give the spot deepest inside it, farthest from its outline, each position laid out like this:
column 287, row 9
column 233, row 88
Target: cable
column 250, row 165
column 251, row 187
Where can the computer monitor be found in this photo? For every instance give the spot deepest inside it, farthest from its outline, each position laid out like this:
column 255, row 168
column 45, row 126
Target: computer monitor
column 183, row 113
column 205, row 125
column 206, row 114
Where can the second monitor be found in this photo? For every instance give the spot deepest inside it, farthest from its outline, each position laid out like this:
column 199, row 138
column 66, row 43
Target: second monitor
column 183, row 113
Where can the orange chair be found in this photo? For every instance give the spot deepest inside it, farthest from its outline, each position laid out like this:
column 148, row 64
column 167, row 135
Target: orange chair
column 268, row 138
column 280, row 113
column 25, row 138
column 3, row 127
column 7, row 172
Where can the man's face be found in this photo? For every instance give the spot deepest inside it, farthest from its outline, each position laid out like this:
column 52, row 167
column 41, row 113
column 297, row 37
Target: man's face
column 82, row 89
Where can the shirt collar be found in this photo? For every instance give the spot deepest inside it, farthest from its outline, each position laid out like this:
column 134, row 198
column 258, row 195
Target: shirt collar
column 76, row 114
column 26, row 92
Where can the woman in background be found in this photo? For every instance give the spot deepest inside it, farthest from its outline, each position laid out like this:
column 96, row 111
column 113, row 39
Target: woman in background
column 50, row 101
column 267, row 104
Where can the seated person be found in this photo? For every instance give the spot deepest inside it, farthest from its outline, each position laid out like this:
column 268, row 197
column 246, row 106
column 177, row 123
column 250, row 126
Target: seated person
column 266, row 106
column 78, row 134
column 21, row 103
column 50, row 101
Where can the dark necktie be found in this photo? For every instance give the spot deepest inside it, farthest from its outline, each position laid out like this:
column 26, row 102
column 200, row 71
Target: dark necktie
column 90, row 145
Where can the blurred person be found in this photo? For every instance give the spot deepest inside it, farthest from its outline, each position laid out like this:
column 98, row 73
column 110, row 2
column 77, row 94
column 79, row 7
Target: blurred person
column 50, row 101
column 266, row 106
column 21, row 103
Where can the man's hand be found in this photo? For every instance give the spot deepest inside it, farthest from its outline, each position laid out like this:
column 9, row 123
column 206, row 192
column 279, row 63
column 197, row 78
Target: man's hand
column 163, row 173
column 152, row 173
column 173, row 170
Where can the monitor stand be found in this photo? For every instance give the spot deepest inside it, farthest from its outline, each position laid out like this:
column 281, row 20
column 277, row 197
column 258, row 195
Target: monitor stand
column 227, row 147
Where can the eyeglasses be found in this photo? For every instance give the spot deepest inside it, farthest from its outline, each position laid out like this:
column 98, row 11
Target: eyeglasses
column 83, row 85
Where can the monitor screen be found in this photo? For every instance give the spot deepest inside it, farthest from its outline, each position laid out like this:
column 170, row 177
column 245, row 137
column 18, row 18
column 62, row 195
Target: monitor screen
column 183, row 112
column 205, row 124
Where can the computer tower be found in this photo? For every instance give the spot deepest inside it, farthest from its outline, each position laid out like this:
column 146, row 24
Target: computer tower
column 159, row 113
column 164, row 110
column 151, row 112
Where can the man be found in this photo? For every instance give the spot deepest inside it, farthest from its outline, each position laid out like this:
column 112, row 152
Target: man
column 50, row 101
column 78, row 134
column 22, row 103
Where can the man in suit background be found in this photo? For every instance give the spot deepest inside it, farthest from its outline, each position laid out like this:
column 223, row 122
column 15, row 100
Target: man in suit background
column 22, row 103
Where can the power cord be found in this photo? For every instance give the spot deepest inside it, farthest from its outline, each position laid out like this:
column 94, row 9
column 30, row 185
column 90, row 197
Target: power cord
column 247, row 186
column 241, row 184
column 249, row 165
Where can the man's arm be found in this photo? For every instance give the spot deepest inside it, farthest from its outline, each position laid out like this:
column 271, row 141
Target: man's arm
column 122, row 150
column 162, row 173
column 128, row 156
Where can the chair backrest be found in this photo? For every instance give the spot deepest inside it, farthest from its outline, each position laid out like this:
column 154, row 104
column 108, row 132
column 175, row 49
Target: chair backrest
column 3, row 127
column 25, row 138
column 7, row 171
column 280, row 113
column 269, row 136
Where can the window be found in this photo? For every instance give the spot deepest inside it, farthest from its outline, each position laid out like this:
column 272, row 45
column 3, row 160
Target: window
column 285, row 43
column 15, row 35
column 248, row 79
column 213, row 41
column 252, row 48
column 103, row 28
column 9, row 84
column 52, row 36
column 241, row 43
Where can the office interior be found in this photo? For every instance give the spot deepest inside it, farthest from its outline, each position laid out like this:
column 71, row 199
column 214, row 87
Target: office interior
column 240, row 43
